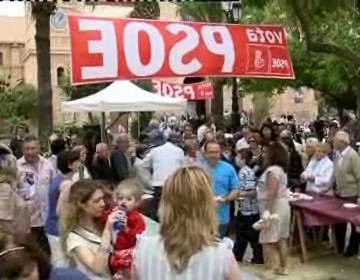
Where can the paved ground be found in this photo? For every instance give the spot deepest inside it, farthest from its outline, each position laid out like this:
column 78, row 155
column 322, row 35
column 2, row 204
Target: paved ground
column 321, row 268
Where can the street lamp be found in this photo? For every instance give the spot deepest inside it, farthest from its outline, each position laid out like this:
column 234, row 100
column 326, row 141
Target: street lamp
column 233, row 12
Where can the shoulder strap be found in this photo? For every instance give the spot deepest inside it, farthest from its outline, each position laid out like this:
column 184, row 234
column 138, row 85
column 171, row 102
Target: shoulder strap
column 85, row 236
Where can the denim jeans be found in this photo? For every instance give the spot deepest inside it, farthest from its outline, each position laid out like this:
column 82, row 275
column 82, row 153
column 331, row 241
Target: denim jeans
column 223, row 229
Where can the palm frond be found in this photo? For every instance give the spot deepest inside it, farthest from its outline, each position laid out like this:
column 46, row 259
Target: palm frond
column 38, row 8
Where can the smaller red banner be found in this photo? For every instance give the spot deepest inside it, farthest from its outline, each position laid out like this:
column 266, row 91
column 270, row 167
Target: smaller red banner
column 197, row 91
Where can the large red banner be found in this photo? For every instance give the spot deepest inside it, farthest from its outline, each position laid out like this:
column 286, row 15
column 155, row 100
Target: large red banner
column 196, row 91
column 105, row 49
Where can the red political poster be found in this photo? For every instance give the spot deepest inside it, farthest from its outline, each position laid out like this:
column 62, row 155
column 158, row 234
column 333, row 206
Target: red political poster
column 105, row 49
column 197, row 91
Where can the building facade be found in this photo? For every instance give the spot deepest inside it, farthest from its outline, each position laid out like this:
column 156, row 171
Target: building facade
column 12, row 46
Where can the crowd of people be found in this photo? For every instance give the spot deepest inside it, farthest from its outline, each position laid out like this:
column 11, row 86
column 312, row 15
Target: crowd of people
column 82, row 211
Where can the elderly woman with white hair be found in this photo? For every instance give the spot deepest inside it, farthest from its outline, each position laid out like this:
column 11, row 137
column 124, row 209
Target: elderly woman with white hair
column 310, row 149
column 83, row 172
column 318, row 173
column 347, row 179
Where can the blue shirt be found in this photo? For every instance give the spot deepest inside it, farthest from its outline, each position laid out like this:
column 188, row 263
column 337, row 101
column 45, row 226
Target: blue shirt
column 66, row 274
column 52, row 220
column 224, row 181
column 248, row 205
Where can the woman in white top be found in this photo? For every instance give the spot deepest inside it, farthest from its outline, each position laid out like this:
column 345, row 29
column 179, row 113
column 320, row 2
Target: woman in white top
column 85, row 242
column 274, row 202
column 83, row 172
column 310, row 149
column 187, row 246
column 319, row 171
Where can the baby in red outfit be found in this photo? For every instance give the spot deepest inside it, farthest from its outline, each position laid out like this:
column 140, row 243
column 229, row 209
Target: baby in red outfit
column 127, row 197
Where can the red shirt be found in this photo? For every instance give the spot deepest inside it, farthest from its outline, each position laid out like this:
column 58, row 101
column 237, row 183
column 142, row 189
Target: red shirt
column 135, row 226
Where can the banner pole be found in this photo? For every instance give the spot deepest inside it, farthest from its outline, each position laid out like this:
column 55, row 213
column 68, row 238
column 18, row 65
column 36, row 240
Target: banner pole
column 138, row 123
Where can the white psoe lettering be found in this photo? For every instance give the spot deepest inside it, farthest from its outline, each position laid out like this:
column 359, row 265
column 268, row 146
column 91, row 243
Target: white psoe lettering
column 224, row 48
column 260, row 36
column 132, row 49
column 179, row 91
column 106, row 46
column 181, row 48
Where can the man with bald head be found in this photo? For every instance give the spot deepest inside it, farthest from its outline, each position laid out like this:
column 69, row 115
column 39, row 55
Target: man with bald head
column 347, row 187
column 209, row 137
column 101, row 164
column 119, row 160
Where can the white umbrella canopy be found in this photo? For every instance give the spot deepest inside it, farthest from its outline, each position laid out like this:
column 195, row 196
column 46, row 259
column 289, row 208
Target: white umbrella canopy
column 124, row 96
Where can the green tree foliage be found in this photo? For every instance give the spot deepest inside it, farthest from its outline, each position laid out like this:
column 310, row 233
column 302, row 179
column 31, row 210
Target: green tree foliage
column 140, row 123
column 145, row 10
column 75, row 92
column 329, row 27
column 18, row 103
column 143, row 118
column 330, row 31
column 317, row 32
column 202, row 11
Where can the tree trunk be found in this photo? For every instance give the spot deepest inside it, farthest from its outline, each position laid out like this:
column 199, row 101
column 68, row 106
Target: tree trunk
column 358, row 104
column 91, row 118
column 235, row 116
column 42, row 41
column 341, row 114
column 120, row 114
column 217, row 103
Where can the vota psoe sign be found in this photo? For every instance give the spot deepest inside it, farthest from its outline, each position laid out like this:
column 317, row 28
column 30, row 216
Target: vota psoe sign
column 105, row 49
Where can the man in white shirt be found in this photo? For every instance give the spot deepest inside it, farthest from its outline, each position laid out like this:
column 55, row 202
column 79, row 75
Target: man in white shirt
column 34, row 176
column 162, row 161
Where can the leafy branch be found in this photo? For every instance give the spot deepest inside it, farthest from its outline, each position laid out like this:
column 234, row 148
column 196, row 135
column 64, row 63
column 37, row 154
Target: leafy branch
column 316, row 46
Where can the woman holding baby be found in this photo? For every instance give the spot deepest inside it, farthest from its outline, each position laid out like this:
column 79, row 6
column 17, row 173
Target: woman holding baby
column 274, row 207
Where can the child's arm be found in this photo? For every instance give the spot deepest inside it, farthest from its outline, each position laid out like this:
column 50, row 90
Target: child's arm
column 135, row 225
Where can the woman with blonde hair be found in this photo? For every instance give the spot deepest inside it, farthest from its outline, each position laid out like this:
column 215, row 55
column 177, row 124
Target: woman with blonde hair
column 84, row 240
column 14, row 214
column 187, row 246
